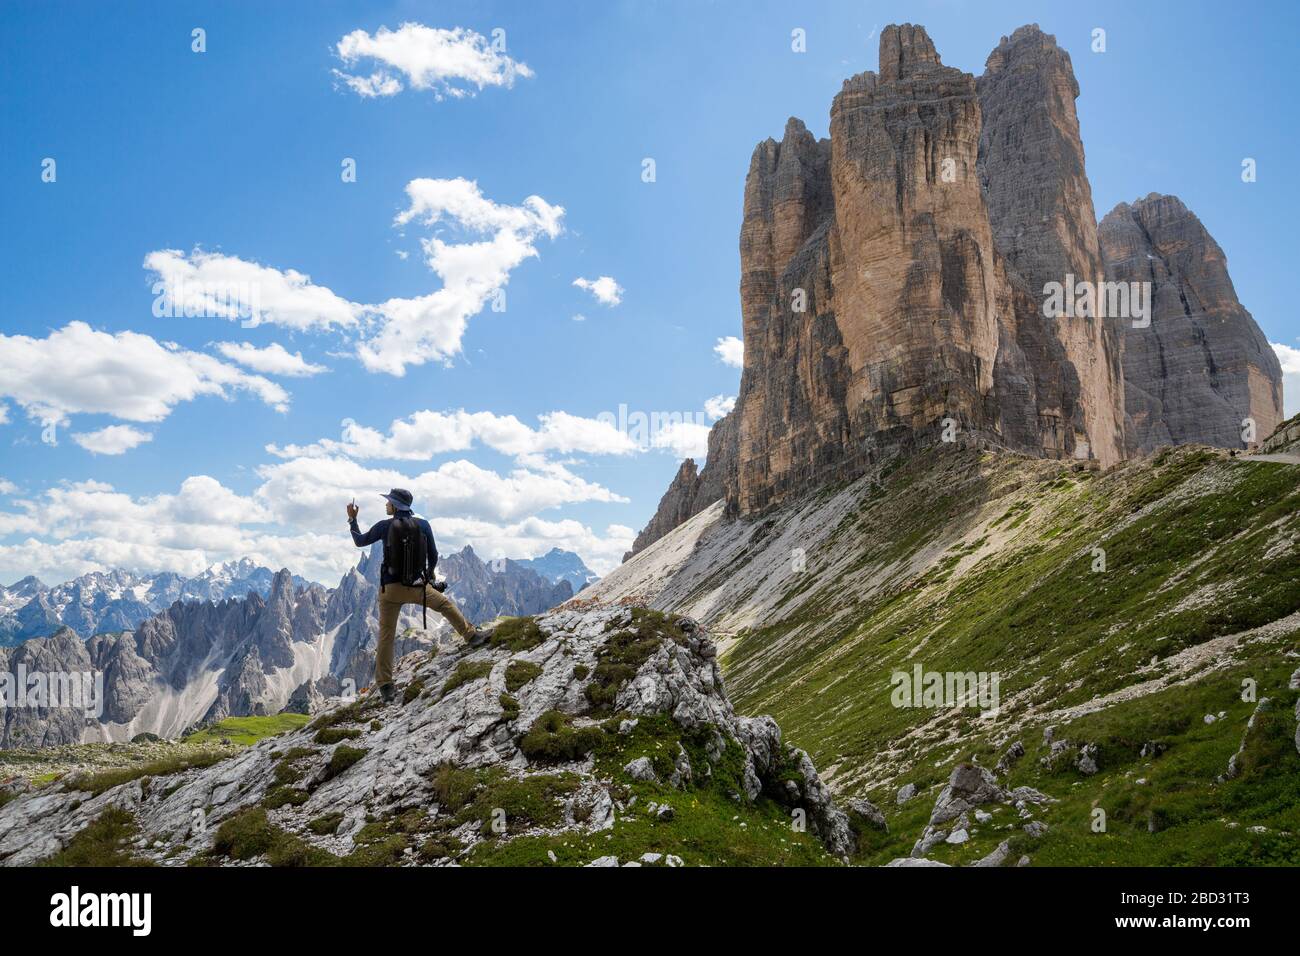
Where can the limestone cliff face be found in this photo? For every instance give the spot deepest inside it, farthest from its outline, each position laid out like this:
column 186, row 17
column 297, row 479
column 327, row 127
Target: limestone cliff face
column 791, row 389
column 1031, row 166
column 876, row 306
column 894, row 278
column 1202, row 366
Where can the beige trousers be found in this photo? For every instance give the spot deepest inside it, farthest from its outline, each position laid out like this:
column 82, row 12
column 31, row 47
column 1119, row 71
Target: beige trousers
column 391, row 599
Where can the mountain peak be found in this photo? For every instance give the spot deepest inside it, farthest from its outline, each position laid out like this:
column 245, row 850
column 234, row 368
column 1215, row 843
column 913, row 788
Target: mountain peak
column 29, row 583
column 906, row 49
column 282, row 584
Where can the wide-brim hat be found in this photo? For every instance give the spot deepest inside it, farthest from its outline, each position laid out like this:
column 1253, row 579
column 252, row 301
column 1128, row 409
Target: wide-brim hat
column 400, row 498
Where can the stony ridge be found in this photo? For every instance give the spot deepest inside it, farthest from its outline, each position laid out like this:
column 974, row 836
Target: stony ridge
column 598, row 727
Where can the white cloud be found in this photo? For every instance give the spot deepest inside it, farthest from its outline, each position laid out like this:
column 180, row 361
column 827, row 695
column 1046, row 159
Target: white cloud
column 127, row 375
column 605, row 289
column 444, row 62
column 309, row 493
column 461, row 201
column 7, row 487
column 376, row 84
column 294, row 519
column 685, row 439
column 314, row 556
column 4, row 414
column 95, row 507
column 274, row 359
column 213, row 285
column 719, row 405
column 159, row 532
column 113, row 440
column 427, row 433
column 397, row 332
column 731, row 351
column 579, row 317
column 1289, row 356
column 430, row 328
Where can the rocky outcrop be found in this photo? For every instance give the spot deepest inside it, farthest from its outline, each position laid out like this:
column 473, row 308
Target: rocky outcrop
column 958, row 807
column 1202, row 367
column 866, row 294
column 676, row 506
column 887, row 299
column 458, row 729
column 1285, row 439
column 886, row 318
column 905, row 282
column 1031, row 167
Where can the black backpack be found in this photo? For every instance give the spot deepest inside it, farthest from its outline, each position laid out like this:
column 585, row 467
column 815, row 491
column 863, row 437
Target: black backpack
column 406, row 552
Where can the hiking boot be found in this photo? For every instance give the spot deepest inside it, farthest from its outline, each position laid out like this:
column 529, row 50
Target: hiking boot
column 478, row 637
column 387, row 692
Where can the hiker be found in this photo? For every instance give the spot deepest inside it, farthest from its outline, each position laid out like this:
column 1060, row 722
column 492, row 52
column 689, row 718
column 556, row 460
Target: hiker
column 406, row 577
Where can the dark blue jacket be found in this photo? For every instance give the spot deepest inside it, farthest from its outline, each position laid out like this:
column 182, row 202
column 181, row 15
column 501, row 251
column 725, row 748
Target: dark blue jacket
column 379, row 532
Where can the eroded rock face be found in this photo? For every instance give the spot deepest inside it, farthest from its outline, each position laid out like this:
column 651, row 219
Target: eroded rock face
column 1203, row 366
column 790, row 411
column 1031, row 166
column 398, row 747
column 895, row 278
column 872, row 318
column 876, row 301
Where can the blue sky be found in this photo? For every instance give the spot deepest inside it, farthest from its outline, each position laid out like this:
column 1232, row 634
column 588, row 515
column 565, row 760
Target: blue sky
column 204, row 164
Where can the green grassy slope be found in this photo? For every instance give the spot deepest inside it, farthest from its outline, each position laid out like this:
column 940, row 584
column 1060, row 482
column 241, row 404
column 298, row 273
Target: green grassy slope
column 108, row 764
column 1199, row 549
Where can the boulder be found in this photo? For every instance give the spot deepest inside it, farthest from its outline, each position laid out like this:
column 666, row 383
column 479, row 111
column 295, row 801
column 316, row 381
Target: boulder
column 868, row 813
column 641, row 769
column 998, row 857
column 969, row 786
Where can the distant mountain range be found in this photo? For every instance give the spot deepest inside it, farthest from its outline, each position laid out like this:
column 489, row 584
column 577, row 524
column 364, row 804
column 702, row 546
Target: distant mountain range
column 235, row 641
column 102, row 602
column 560, row 565
column 117, row 600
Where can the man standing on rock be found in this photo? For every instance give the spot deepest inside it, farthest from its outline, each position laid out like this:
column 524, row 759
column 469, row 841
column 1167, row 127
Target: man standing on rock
column 405, row 577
